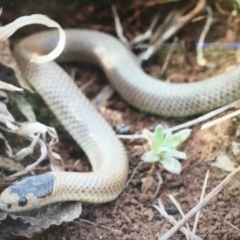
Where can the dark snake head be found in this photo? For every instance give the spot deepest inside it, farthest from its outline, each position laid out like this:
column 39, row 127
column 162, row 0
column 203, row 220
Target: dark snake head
column 28, row 193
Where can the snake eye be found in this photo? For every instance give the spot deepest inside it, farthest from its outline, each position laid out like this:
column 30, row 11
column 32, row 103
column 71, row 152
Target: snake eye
column 9, row 206
column 22, row 202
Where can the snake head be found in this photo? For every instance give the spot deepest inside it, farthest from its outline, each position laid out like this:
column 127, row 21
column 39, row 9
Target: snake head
column 28, row 193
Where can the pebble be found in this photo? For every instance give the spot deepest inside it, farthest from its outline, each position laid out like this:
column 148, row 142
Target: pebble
column 132, row 215
column 143, row 197
column 118, row 223
column 221, row 204
column 127, row 219
column 133, row 201
column 150, row 214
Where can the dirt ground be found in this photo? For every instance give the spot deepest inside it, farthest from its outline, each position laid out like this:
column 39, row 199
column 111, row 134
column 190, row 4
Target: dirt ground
column 132, row 215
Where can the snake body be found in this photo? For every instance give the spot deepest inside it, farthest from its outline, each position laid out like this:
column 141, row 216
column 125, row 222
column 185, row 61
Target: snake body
column 87, row 127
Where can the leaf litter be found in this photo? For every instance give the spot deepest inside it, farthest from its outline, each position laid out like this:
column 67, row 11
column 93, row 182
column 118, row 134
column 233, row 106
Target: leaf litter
column 29, row 223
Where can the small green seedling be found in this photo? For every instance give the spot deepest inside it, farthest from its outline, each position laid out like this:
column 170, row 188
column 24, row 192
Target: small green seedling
column 163, row 148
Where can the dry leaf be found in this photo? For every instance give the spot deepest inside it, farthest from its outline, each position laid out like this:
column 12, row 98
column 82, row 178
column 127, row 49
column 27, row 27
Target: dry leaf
column 29, row 223
column 224, row 162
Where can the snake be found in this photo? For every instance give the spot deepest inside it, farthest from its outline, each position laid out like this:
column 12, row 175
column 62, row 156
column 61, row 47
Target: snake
column 104, row 150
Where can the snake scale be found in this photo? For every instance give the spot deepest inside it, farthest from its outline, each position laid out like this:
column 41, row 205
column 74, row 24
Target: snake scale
column 105, row 152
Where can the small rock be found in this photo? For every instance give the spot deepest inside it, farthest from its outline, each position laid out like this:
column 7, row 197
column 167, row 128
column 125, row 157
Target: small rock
column 90, row 236
column 150, row 214
column 118, row 233
column 196, row 171
column 133, row 201
column 221, row 204
column 132, row 215
column 135, row 229
column 127, row 219
column 143, row 197
column 118, row 223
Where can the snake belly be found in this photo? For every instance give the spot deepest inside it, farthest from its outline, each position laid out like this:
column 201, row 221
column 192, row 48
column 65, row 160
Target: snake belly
column 87, row 127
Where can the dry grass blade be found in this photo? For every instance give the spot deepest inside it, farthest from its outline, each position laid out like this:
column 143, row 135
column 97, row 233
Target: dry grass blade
column 133, row 174
column 178, row 206
column 179, row 22
column 198, row 213
column 147, row 35
column 100, row 225
column 4, row 113
column 24, row 106
column 221, row 119
column 36, row 134
column 118, row 25
column 103, row 96
column 200, row 58
column 9, row 29
column 190, row 123
column 160, row 182
column 205, row 117
column 9, row 87
column 171, row 219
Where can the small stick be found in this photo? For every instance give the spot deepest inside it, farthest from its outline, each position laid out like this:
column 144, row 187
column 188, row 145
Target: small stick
column 164, row 67
column 230, row 224
column 133, row 174
column 196, row 120
column 200, row 58
column 181, row 21
column 171, row 219
column 160, row 182
column 177, row 205
column 87, row 84
column 118, row 26
column 98, row 225
column 33, row 165
column 103, row 96
column 133, row 136
column 221, row 119
column 205, row 117
column 147, row 35
column 198, row 213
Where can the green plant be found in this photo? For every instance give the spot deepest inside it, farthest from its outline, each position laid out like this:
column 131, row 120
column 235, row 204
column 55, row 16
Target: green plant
column 163, row 148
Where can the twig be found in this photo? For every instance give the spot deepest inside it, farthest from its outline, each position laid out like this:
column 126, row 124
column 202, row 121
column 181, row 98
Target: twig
column 135, row 136
column 221, row 10
column 106, row 93
column 133, row 174
column 118, row 25
column 230, row 224
column 147, row 35
column 221, row 119
column 192, row 122
column 160, row 182
column 198, row 213
column 177, row 205
column 171, row 19
column 87, row 84
column 98, row 225
column 171, row 219
column 200, row 58
column 165, row 64
column 206, row 116
column 180, row 22
column 33, row 165
column 194, row 210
